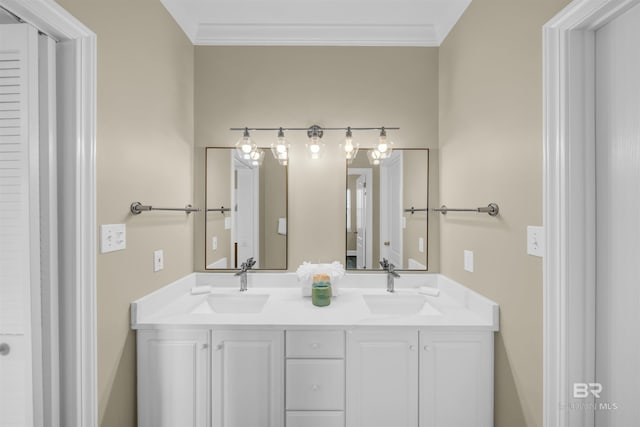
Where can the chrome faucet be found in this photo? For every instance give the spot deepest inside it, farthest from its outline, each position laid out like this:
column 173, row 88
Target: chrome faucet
column 391, row 274
column 244, row 267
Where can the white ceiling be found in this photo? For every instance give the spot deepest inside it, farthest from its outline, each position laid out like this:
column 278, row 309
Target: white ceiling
column 316, row 22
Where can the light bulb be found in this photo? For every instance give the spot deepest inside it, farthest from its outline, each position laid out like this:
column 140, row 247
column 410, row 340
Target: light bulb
column 314, row 148
column 256, row 156
column 350, row 149
column 375, row 157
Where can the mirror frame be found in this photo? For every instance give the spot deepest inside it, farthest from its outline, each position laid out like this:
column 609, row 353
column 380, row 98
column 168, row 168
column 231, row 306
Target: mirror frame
column 206, row 183
column 426, row 244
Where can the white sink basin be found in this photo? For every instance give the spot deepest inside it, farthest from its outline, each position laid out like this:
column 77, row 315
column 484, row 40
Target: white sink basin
column 395, row 303
column 238, row 302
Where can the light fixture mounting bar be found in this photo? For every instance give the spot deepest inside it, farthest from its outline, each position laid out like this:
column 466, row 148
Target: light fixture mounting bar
column 306, row 129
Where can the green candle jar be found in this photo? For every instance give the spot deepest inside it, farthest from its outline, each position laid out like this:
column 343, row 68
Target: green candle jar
column 321, row 295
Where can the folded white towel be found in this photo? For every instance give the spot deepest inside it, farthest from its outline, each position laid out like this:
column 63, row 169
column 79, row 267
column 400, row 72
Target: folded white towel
column 425, row 290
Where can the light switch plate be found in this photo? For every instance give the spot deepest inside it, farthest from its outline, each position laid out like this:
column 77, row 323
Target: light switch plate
column 468, row 261
column 421, row 245
column 113, row 237
column 158, row 260
column 214, row 243
column 227, row 223
column 535, row 241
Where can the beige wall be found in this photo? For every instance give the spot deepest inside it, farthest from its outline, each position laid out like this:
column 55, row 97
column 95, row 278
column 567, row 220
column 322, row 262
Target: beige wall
column 491, row 151
column 273, row 205
column 300, row 86
column 144, row 153
column 415, row 184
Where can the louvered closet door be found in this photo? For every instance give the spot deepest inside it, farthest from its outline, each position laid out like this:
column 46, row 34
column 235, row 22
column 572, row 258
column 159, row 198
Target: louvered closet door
column 19, row 218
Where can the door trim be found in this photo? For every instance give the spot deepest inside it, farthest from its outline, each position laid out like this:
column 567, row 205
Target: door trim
column 569, row 204
column 77, row 198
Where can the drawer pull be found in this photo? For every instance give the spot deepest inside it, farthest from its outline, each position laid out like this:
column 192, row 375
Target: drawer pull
column 315, row 387
column 219, row 347
column 412, row 347
column 315, row 346
column 4, row 349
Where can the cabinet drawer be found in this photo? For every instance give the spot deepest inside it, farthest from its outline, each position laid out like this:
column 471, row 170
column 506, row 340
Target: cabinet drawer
column 301, row 344
column 315, row 419
column 315, row 385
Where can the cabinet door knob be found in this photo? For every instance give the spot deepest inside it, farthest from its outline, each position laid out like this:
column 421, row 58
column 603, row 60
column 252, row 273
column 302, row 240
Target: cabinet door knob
column 205, row 346
column 315, row 346
column 315, row 387
column 4, row 349
column 427, row 348
column 219, row 347
column 412, row 347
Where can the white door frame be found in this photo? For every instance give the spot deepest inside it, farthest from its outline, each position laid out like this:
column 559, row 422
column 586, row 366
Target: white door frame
column 76, row 93
column 569, row 205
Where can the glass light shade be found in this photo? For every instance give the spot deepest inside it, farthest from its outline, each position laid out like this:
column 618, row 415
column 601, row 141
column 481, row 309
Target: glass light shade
column 384, row 146
column 375, row 157
column 315, row 147
column 256, row 157
column 350, row 149
column 245, row 145
column 280, row 147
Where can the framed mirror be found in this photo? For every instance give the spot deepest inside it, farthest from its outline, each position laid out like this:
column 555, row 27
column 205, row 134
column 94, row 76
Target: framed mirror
column 387, row 211
column 246, row 211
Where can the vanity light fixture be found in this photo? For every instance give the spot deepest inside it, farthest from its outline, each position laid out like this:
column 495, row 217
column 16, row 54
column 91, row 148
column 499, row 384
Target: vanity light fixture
column 280, row 148
column 315, row 144
column 245, row 145
column 350, row 149
column 384, row 145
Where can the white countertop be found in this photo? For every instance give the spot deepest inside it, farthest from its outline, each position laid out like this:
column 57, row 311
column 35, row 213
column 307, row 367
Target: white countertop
column 456, row 308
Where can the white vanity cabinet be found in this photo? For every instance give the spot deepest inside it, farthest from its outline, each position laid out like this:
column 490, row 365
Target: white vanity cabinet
column 382, row 378
column 173, row 378
column 456, row 379
column 410, row 378
column 247, row 378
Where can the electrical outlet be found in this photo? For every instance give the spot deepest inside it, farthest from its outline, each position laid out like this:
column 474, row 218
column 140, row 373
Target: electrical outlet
column 113, row 237
column 158, row 260
column 535, row 241
column 468, row 261
column 214, row 243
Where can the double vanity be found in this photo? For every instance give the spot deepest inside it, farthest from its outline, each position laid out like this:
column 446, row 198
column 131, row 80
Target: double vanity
column 210, row 355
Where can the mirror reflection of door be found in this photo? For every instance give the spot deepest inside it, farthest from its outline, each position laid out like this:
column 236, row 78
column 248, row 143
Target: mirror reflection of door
column 360, row 218
column 387, row 210
column 246, row 211
column 245, row 220
column 391, row 214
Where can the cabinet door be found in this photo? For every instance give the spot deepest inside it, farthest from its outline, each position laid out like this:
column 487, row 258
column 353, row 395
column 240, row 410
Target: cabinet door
column 248, row 378
column 173, row 372
column 382, row 379
column 456, row 379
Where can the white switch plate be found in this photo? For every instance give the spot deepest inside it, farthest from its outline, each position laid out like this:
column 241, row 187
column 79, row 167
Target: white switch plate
column 158, row 260
column 227, row 223
column 468, row 261
column 113, row 237
column 421, row 245
column 535, row 241
column 214, row 243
